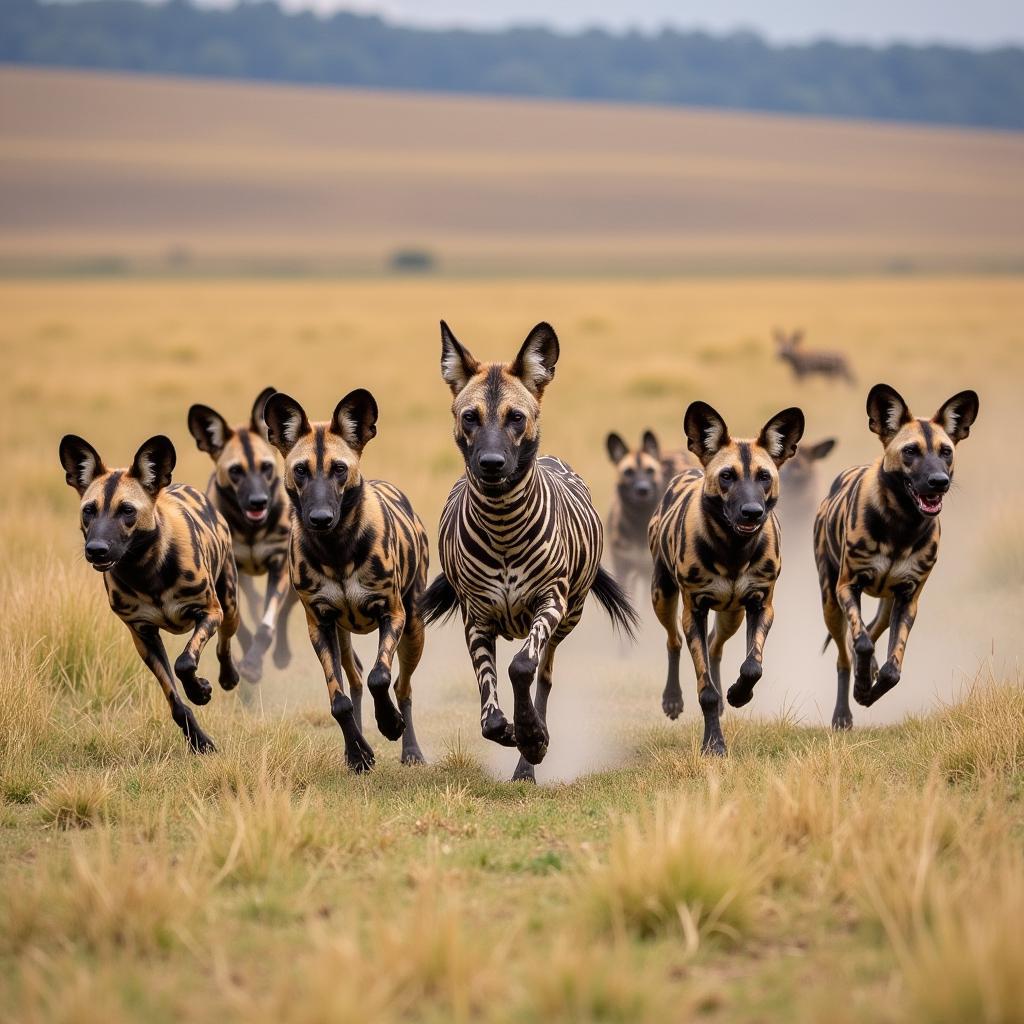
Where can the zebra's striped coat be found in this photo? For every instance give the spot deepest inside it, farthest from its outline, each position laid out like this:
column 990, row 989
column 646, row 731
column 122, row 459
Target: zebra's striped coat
column 520, row 539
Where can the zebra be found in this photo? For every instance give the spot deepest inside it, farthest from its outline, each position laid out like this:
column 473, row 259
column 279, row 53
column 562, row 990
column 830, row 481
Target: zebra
column 520, row 541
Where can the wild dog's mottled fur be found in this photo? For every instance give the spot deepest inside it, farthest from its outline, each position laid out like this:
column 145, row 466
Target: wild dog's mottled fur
column 877, row 533
column 641, row 478
column 520, row 540
column 799, row 482
column 715, row 541
column 811, row 362
column 247, row 490
column 358, row 560
column 165, row 555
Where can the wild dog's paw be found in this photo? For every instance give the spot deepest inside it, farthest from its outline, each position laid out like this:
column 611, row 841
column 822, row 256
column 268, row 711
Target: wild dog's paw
column 359, row 754
column 842, row 719
column 228, row 677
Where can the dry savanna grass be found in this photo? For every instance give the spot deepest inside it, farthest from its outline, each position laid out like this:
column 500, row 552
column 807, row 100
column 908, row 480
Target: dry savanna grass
column 875, row 875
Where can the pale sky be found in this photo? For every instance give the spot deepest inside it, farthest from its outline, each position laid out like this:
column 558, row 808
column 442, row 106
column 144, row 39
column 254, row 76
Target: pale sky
column 966, row 22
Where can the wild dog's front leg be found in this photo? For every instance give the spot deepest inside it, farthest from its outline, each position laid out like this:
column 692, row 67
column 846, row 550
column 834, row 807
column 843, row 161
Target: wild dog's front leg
column 323, row 634
column 665, row 598
column 493, row 724
column 901, row 621
column 848, row 595
column 197, row 689
column 353, row 673
column 389, row 718
column 278, row 584
column 531, row 732
column 152, row 651
column 227, row 595
column 726, row 624
column 695, row 628
column 282, row 650
column 760, row 616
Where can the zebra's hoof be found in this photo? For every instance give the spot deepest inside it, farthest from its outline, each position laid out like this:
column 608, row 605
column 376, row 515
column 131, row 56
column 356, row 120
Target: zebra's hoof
column 498, row 729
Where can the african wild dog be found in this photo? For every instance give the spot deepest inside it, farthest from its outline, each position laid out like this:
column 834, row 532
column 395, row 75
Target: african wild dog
column 246, row 489
column 798, row 480
column 877, row 533
column 520, row 540
column 165, row 555
column 807, row 363
column 642, row 477
column 358, row 560
column 715, row 540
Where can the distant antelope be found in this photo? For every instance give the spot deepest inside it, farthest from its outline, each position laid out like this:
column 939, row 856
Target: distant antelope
column 808, row 363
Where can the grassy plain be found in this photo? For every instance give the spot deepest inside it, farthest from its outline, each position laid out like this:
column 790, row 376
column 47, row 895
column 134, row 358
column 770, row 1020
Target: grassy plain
column 877, row 875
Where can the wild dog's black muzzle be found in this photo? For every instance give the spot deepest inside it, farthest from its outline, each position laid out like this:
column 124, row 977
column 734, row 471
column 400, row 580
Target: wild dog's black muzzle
column 97, row 552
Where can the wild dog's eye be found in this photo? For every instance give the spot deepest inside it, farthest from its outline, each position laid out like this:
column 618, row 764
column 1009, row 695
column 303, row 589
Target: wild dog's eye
column 945, row 451
column 88, row 511
column 910, row 451
column 470, row 417
column 125, row 510
column 649, row 471
column 516, row 418
column 267, row 468
column 236, row 473
column 299, row 471
column 629, row 472
column 727, row 476
column 339, row 470
column 763, row 476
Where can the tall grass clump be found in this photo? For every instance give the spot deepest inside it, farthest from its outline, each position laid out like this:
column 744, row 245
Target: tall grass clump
column 76, row 799
column 684, row 867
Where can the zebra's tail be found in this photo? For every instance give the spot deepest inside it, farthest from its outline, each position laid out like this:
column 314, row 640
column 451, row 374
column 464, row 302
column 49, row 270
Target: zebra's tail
column 439, row 600
column 614, row 601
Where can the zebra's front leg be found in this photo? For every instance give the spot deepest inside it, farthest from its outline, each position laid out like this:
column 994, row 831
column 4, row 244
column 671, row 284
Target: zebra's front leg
column 493, row 724
column 524, row 770
column 531, row 732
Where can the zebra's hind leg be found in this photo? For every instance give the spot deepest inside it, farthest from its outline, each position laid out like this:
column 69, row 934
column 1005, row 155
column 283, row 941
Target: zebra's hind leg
column 524, row 770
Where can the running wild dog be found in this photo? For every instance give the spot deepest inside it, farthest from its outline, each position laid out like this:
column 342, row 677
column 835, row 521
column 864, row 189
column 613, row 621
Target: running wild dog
column 641, row 478
column 808, row 362
column 877, row 533
column 358, row 560
column 520, row 540
column 715, row 542
column 165, row 555
column 798, row 480
column 246, row 489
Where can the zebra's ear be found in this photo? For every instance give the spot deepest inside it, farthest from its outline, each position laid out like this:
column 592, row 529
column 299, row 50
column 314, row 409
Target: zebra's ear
column 706, row 432
column 535, row 364
column 887, row 412
column 458, row 367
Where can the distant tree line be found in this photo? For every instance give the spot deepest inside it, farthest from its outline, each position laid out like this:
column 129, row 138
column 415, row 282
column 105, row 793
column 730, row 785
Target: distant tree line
column 938, row 84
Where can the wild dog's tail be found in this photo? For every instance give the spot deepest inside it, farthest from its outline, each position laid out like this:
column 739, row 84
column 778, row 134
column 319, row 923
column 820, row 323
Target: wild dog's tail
column 439, row 600
column 824, row 646
column 614, row 601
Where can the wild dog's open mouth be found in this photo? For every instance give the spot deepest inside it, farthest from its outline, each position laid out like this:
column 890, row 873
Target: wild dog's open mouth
column 748, row 528
column 102, row 566
column 929, row 504
column 256, row 515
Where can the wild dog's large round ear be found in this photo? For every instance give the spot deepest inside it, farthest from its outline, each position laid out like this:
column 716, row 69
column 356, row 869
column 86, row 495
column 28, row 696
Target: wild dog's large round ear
column 887, row 412
column 814, row 452
column 458, row 367
column 956, row 416
column 706, row 432
column 781, row 434
column 286, row 421
column 153, row 464
column 535, row 363
column 256, row 421
column 81, row 462
column 355, row 418
column 617, row 448
column 209, row 428
column 649, row 444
